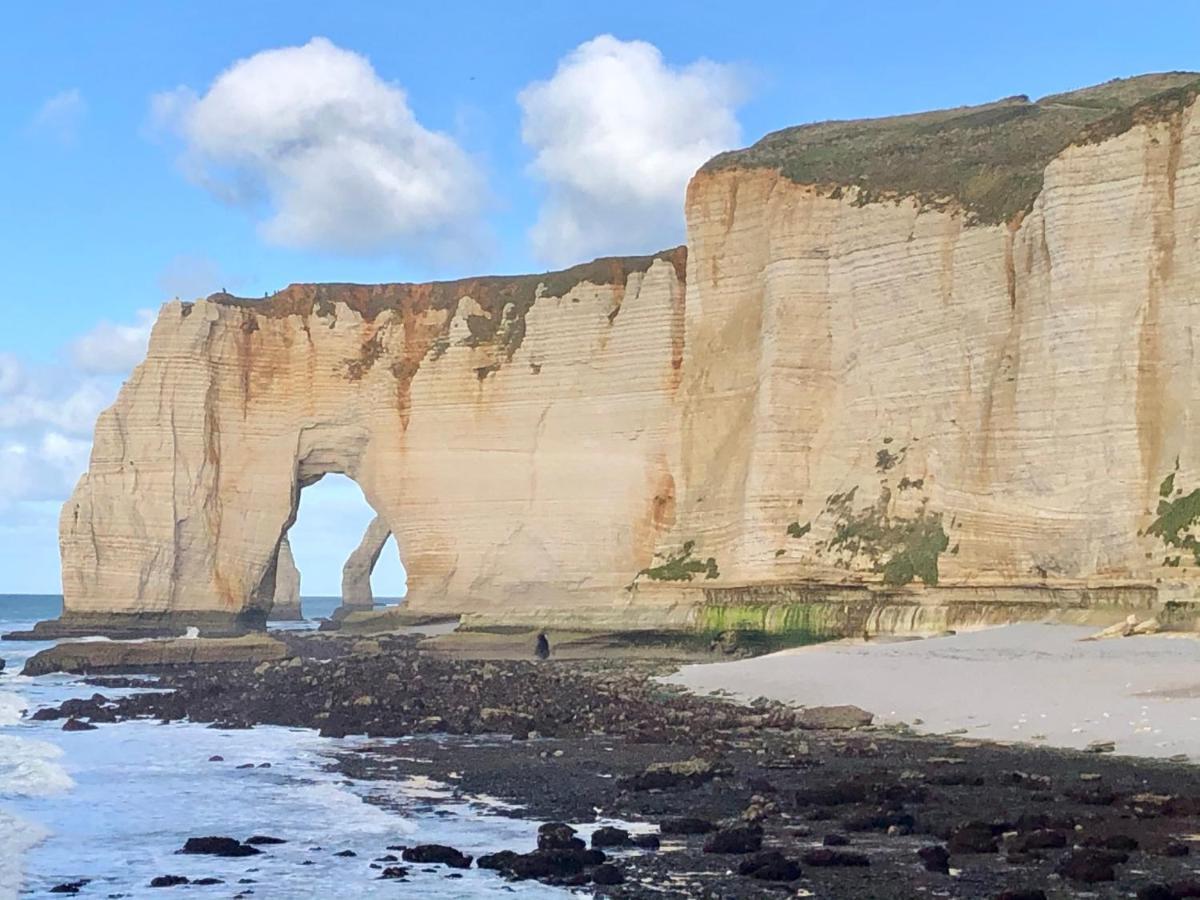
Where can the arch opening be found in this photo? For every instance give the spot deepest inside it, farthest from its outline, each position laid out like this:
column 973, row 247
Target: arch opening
column 332, row 517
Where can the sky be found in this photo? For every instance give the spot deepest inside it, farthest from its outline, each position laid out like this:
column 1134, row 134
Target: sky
column 154, row 150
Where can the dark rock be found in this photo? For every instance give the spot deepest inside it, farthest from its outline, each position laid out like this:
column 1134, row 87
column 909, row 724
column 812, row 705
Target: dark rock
column 935, row 858
column 168, row 881
column 496, row 861
column 738, row 839
column 608, row 836
column 975, row 837
column 553, row 863
column 770, row 865
column 67, row 887
column 1174, row 848
column 1187, row 888
column 437, row 853
column 835, row 840
column 394, row 872
column 1039, row 839
column 646, row 841
column 1091, row 865
column 209, row 880
column 607, row 874
column 558, row 836
column 1121, row 842
column 828, row 856
column 346, row 853
column 77, row 725
column 1155, row 892
column 264, row 839
column 833, row 795
column 685, row 825
column 1022, row 894
column 216, row 758
column 219, row 846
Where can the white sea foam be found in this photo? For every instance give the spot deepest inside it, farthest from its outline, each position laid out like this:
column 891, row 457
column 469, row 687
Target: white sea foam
column 16, row 837
column 30, row 768
column 11, row 707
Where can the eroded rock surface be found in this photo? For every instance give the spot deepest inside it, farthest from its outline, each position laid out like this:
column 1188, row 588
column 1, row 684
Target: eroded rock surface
column 871, row 379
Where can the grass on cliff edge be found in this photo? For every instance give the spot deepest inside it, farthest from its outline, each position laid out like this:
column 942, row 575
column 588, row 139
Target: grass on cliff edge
column 989, row 159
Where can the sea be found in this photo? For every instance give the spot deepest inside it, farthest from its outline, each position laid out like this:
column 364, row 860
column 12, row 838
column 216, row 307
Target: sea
column 113, row 805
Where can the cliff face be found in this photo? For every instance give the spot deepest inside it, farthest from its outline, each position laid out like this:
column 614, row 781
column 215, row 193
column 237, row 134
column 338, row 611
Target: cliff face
column 874, row 386
column 988, row 384
column 514, row 433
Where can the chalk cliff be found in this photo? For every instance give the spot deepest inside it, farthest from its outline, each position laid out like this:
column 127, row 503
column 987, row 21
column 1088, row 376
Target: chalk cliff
column 950, row 355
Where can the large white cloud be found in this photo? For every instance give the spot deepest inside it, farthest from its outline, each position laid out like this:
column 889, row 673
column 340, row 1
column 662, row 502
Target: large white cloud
column 617, row 133
column 331, row 150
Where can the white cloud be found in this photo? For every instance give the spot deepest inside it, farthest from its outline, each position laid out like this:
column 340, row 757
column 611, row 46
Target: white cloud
column 47, row 413
column 112, row 349
column 332, row 150
column 617, row 133
column 60, row 116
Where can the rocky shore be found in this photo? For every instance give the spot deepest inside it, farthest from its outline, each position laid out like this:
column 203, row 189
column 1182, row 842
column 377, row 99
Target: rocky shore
column 700, row 797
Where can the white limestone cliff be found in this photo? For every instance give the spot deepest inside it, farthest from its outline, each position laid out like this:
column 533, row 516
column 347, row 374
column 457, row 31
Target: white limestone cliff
column 851, row 390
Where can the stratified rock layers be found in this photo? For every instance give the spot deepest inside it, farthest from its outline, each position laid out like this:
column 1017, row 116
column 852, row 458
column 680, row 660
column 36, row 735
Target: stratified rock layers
column 855, row 371
column 850, row 392
column 514, row 432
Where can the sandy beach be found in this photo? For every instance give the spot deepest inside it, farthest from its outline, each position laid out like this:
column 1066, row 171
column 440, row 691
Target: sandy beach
column 1028, row 682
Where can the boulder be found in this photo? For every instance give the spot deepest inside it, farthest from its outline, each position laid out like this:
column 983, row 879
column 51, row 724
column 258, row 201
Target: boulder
column 558, row 836
column 1091, row 865
column 437, row 853
column 685, row 825
column 737, row 839
column 935, row 858
column 219, row 846
column 833, row 717
column 770, row 865
column 829, row 856
column 610, row 836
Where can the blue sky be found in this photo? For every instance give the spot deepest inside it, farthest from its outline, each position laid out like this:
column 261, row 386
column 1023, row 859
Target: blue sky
column 115, row 202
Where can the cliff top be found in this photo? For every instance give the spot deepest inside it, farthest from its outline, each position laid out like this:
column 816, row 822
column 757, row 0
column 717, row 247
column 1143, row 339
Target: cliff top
column 989, row 159
column 491, row 292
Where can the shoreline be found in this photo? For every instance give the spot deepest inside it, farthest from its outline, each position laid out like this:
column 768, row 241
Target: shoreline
column 576, row 740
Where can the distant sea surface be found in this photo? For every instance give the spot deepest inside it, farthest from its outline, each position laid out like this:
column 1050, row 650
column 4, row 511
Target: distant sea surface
column 113, row 805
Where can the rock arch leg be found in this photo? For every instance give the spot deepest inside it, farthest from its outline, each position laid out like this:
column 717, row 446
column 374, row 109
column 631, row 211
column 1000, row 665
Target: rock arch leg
column 286, row 607
column 356, row 573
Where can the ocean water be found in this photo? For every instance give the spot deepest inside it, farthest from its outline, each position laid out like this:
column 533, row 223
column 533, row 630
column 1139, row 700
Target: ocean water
column 112, row 805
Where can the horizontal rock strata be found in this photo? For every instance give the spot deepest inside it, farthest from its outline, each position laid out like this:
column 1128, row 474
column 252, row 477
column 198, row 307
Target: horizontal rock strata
column 949, row 352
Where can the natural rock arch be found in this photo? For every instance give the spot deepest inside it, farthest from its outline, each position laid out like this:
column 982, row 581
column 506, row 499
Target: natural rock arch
column 478, row 418
column 356, row 573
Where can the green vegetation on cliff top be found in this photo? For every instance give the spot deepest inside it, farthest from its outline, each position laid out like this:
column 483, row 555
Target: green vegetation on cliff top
column 989, row 159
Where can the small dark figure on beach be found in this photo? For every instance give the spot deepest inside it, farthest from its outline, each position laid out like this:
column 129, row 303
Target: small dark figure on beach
column 543, row 647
